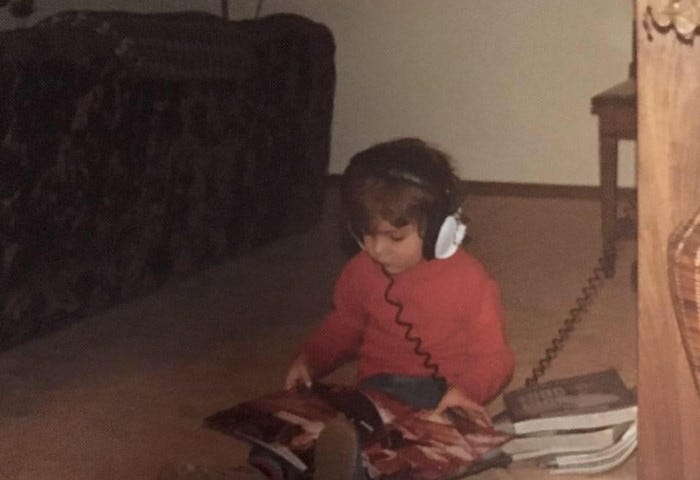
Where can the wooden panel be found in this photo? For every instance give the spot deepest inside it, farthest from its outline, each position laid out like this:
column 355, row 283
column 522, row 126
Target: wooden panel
column 669, row 192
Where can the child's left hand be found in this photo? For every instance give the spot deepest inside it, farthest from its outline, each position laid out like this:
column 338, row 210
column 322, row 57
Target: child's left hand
column 456, row 398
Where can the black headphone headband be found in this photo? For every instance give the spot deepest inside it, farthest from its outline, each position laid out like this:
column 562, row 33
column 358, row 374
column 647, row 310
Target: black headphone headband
column 410, row 177
column 407, row 159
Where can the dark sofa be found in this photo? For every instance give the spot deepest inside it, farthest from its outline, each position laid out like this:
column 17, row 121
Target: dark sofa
column 138, row 149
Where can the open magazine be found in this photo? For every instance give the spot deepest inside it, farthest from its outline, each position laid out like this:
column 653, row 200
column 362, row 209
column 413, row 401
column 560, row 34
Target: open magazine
column 396, row 441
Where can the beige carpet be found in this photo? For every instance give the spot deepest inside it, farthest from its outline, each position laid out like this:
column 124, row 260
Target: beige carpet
column 122, row 394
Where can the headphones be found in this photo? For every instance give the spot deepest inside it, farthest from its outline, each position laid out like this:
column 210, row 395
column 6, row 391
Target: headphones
column 412, row 161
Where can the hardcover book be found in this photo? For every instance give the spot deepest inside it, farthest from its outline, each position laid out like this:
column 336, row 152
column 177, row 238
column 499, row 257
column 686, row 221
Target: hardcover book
column 588, row 401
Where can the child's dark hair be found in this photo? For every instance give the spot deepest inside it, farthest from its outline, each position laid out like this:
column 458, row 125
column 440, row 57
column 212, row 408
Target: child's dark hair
column 401, row 181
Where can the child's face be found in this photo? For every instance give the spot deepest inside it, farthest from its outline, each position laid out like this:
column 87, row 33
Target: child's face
column 396, row 249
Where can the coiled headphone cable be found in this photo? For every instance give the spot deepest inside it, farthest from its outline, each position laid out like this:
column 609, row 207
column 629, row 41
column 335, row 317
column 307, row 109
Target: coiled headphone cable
column 588, row 294
column 415, row 340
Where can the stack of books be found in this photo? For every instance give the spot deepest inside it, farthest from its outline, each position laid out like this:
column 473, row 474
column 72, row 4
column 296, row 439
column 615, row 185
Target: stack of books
column 581, row 424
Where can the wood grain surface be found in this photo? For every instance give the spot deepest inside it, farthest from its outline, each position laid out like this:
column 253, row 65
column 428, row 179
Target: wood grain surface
column 669, row 193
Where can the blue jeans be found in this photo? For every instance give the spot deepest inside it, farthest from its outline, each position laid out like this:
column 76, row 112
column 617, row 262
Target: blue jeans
column 418, row 392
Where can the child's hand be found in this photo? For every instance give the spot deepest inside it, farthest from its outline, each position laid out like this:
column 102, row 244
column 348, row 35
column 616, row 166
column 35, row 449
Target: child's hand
column 456, row 398
column 299, row 374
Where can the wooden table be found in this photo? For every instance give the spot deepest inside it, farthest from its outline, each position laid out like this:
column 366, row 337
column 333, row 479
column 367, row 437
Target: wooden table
column 616, row 109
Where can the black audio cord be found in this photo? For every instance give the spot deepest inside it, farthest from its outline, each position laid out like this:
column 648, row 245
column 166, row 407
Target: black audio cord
column 588, row 294
column 408, row 327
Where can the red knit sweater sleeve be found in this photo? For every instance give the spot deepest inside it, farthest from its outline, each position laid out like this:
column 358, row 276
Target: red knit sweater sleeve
column 490, row 361
column 338, row 337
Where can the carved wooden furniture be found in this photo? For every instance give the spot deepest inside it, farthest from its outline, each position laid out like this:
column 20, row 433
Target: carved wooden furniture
column 684, row 279
column 668, row 148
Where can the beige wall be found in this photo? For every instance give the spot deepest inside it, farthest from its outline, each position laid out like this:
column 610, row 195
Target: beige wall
column 502, row 85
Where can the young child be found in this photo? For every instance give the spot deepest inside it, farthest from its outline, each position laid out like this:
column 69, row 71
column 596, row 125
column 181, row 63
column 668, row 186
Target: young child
column 421, row 315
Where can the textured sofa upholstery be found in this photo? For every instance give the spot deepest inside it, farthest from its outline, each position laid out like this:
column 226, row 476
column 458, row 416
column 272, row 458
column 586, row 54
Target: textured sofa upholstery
column 141, row 148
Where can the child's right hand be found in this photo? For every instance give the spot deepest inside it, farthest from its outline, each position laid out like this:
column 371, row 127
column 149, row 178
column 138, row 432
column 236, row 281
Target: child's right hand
column 299, row 374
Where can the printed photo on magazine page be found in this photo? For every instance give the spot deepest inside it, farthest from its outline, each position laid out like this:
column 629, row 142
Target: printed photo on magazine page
column 396, row 441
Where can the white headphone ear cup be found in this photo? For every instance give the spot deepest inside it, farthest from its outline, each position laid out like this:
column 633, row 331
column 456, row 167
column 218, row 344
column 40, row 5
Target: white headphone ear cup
column 449, row 237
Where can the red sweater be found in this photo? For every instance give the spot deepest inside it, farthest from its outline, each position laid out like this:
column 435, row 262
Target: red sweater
column 454, row 306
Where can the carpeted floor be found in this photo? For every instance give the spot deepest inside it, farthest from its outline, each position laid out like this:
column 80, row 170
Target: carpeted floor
column 122, row 394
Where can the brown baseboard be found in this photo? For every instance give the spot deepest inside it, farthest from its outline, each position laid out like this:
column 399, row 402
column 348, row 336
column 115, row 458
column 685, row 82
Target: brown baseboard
column 536, row 190
column 542, row 190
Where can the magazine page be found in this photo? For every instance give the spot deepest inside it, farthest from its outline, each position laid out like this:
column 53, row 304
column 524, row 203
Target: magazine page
column 287, row 423
column 606, row 456
column 533, row 446
column 417, row 445
column 396, row 441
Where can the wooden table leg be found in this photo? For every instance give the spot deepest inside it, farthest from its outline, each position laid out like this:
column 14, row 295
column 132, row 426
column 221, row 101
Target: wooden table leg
column 608, row 200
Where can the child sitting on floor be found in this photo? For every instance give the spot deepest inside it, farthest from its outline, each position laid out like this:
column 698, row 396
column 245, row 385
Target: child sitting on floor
column 421, row 315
